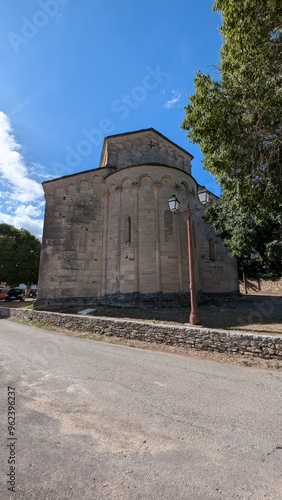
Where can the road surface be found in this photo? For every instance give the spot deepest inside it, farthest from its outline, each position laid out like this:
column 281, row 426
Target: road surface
column 100, row 421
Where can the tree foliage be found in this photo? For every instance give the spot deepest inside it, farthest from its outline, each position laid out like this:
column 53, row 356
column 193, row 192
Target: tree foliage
column 20, row 254
column 237, row 121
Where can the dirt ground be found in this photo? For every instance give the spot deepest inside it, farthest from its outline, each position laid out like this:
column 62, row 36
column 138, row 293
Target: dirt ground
column 254, row 313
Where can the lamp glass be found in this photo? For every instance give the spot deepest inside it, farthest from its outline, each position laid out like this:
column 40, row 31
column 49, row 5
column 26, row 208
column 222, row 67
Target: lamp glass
column 173, row 204
column 203, row 196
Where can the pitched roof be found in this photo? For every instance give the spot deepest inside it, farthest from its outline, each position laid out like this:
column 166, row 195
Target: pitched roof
column 142, row 131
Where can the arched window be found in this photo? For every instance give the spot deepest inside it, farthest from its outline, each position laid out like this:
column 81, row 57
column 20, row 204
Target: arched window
column 168, row 225
column 211, row 249
column 127, row 229
column 83, row 236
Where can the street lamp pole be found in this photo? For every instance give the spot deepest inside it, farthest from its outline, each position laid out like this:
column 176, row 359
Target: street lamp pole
column 194, row 317
column 174, row 205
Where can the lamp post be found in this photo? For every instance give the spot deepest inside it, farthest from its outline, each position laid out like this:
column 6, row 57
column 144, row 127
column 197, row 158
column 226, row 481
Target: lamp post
column 174, row 206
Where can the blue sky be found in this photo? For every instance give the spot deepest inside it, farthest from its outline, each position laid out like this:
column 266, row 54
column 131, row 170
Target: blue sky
column 73, row 72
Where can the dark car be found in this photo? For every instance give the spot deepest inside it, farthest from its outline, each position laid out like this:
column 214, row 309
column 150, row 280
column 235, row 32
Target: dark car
column 15, row 294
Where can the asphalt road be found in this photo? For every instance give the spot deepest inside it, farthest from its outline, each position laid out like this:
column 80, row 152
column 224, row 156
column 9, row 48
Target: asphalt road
column 102, row 421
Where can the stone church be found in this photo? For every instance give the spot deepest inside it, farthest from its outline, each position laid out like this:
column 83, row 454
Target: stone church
column 110, row 238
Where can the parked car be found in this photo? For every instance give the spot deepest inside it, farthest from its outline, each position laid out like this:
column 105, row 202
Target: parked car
column 2, row 294
column 15, row 294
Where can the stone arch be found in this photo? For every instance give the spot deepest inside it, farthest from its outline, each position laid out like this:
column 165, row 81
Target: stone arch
column 71, row 189
column 145, row 177
column 180, row 161
column 171, row 154
column 155, row 143
column 184, row 191
column 166, row 191
column 186, row 186
column 137, row 143
column 59, row 192
column 84, row 186
column 166, row 180
column 126, row 200
column 126, row 182
column 95, row 180
column 111, row 189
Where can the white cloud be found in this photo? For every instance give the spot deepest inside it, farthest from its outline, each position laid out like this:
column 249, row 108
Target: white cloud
column 174, row 101
column 34, row 226
column 37, row 170
column 28, row 211
column 21, row 197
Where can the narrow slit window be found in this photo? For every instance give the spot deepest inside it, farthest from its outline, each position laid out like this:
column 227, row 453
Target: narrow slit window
column 127, row 229
column 168, row 226
column 83, row 237
column 211, row 250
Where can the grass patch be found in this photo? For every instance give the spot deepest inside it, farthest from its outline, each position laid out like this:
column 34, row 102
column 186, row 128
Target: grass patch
column 274, row 366
column 37, row 324
column 28, row 306
column 95, row 336
column 247, row 363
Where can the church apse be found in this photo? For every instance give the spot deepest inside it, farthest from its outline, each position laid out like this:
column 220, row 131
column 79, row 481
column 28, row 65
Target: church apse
column 109, row 237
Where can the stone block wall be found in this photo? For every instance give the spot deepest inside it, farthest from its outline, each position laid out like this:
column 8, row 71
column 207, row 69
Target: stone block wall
column 263, row 346
column 71, row 255
column 147, row 146
column 109, row 231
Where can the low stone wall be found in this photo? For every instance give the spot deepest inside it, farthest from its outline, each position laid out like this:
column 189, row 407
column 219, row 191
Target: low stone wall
column 263, row 346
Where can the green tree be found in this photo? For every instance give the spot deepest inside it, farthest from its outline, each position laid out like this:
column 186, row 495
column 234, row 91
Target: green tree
column 236, row 119
column 20, row 254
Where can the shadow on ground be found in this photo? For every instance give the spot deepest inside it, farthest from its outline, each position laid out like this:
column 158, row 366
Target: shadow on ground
column 249, row 312
column 255, row 313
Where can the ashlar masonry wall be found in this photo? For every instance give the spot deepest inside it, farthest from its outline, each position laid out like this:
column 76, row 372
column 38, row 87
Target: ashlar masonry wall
column 71, row 256
column 109, row 236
